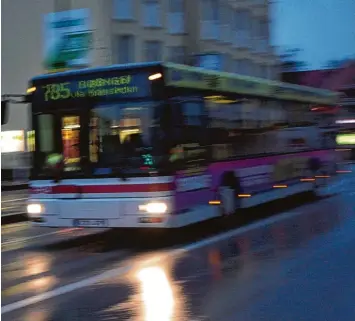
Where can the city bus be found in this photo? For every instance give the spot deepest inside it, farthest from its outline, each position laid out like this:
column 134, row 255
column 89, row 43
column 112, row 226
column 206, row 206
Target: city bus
column 161, row 145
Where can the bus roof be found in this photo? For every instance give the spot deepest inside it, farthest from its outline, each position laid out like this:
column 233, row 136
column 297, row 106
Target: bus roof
column 194, row 77
column 90, row 70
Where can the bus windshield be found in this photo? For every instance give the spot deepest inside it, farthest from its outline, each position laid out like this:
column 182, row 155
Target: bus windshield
column 108, row 138
column 120, row 134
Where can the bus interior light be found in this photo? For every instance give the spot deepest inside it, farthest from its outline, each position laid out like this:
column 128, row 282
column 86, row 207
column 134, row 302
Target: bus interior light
column 155, row 76
column 221, row 99
column 69, row 127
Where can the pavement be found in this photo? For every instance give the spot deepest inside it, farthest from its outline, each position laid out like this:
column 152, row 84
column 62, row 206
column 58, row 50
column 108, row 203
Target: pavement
column 297, row 265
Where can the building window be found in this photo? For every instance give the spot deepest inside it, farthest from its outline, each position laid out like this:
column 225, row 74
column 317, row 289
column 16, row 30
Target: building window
column 153, row 51
column 125, row 49
column 227, row 63
column 210, row 20
column 253, row 69
column 236, row 66
column 255, row 33
column 151, row 13
column 226, row 24
column 176, row 17
column 270, row 72
column 242, row 23
column 123, row 9
column 264, row 29
column 244, row 67
column 263, row 71
column 177, row 54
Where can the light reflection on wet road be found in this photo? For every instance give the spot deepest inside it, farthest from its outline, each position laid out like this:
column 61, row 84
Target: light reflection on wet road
column 299, row 267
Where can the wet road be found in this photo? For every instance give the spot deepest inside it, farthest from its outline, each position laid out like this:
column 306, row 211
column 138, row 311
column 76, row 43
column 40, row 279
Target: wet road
column 13, row 202
column 295, row 266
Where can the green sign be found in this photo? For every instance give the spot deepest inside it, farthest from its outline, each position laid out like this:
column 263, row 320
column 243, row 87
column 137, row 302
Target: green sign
column 67, row 40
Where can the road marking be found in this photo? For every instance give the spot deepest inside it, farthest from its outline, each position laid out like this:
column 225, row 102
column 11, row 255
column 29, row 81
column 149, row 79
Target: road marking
column 64, row 289
column 25, row 239
column 14, row 226
column 116, row 272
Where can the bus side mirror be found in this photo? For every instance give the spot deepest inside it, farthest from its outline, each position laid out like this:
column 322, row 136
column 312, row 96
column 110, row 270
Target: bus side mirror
column 4, row 112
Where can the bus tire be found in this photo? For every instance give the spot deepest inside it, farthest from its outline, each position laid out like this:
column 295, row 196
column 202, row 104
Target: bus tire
column 227, row 194
column 320, row 186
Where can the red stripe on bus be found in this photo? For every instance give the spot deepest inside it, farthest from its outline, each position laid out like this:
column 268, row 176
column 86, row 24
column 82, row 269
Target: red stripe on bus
column 101, row 189
column 65, row 189
column 134, row 188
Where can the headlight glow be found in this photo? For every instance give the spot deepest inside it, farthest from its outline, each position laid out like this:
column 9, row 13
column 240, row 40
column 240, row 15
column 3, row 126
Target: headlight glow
column 33, row 209
column 154, row 208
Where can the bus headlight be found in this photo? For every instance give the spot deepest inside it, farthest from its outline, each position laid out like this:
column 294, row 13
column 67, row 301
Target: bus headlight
column 154, row 208
column 34, row 209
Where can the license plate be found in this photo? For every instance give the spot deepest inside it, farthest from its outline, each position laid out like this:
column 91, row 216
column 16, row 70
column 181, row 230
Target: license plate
column 90, row 223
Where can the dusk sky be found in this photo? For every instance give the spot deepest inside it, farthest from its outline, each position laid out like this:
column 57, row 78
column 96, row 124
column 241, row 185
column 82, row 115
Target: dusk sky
column 323, row 29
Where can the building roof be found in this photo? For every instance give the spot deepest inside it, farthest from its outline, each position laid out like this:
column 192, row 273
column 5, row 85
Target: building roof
column 331, row 79
column 341, row 78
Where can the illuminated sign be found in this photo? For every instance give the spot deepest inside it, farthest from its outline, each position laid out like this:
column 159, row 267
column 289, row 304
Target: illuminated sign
column 345, row 139
column 12, row 141
column 122, row 86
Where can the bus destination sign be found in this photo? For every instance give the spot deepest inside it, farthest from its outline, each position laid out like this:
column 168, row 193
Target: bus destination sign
column 124, row 86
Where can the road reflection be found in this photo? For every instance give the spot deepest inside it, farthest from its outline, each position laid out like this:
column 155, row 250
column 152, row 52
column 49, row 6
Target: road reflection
column 37, row 264
column 38, row 315
column 157, row 294
column 42, row 284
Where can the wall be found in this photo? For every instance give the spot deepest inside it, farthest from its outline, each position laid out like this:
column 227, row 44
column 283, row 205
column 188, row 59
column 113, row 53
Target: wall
column 21, row 54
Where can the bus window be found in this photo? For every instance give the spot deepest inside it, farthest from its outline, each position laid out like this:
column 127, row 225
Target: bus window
column 70, row 130
column 46, row 133
column 193, row 119
column 189, row 131
column 120, row 133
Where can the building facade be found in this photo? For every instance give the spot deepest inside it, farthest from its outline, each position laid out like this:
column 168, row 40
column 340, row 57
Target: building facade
column 123, row 31
column 342, row 80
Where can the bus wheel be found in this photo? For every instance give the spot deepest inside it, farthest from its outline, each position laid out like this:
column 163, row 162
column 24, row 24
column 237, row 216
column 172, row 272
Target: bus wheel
column 227, row 194
column 320, row 186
